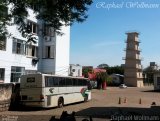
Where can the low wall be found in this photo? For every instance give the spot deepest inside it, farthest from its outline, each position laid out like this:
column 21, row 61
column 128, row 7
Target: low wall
column 5, row 96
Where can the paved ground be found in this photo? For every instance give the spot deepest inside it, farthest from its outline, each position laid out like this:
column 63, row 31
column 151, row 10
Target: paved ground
column 104, row 105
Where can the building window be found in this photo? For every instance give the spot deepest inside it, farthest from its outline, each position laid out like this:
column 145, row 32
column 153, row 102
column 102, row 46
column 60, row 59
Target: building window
column 31, row 50
column 2, row 73
column 34, row 7
column 18, row 46
column 32, row 27
column 2, row 43
column 16, row 72
column 158, row 81
column 49, row 52
column 49, row 31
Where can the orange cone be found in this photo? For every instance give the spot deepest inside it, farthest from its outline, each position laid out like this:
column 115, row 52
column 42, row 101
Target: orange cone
column 153, row 103
column 140, row 101
column 119, row 102
column 125, row 100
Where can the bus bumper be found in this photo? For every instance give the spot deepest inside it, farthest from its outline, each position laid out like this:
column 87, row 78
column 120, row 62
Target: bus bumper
column 33, row 103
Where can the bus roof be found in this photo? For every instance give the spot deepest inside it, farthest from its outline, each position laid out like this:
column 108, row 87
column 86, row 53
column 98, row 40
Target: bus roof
column 54, row 75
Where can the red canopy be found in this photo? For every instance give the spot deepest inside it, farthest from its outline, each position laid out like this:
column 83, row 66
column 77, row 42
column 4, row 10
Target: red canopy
column 92, row 76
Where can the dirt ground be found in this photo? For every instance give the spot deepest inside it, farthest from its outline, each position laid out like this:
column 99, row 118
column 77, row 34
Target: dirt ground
column 105, row 105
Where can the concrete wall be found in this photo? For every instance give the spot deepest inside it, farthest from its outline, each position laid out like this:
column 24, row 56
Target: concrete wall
column 156, row 83
column 5, row 92
column 62, row 52
column 5, row 96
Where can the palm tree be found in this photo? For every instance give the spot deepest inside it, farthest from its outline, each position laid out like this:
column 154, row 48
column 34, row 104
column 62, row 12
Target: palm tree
column 101, row 80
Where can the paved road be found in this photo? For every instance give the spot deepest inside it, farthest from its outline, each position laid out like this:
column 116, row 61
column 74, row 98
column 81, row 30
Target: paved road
column 104, row 105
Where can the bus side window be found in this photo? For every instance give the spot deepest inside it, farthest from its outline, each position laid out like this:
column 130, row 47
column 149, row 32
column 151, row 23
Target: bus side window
column 84, row 82
column 55, row 82
column 69, row 82
column 80, row 81
column 51, row 82
column 47, row 81
column 74, row 82
column 62, row 82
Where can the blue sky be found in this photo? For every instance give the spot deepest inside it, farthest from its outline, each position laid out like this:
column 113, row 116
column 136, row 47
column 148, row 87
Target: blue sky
column 100, row 39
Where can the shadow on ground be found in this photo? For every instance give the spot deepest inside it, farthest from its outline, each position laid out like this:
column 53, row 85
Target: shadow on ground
column 20, row 107
column 107, row 112
column 157, row 91
column 100, row 114
column 114, row 114
column 25, row 108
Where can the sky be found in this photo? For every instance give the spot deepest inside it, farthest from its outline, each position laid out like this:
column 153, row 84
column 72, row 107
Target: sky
column 101, row 38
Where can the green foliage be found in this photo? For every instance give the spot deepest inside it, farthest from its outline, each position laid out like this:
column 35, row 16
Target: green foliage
column 85, row 72
column 149, row 71
column 102, row 76
column 4, row 17
column 103, row 66
column 112, row 69
column 109, row 80
column 55, row 13
column 115, row 69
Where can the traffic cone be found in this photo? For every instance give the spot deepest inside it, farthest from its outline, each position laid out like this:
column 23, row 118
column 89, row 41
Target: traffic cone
column 125, row 100
column 153, row 103
column 140, row 101
column 119, row 102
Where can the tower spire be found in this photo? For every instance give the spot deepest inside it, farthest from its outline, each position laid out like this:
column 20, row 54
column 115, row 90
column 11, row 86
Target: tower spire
column 133, row 68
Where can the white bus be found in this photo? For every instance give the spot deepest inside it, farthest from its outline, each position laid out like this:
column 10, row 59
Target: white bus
column 44, row 90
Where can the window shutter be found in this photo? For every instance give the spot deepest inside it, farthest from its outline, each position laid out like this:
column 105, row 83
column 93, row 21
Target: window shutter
column 14, row 46
column 44, row 52
column 52, row 32
column 52, row 52
column 30, row 50
column 22, row 49
column 46, row 30
column 26, row 49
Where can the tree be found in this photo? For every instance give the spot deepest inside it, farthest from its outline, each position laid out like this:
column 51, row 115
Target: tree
column 149, row 71
column 101, row 78
column 55, row 13
column 116, row 70
column 103, row 66
column 86, row 70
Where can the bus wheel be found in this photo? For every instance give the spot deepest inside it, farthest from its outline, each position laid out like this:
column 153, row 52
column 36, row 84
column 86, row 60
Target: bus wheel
column 60, row 102
column 86, row 98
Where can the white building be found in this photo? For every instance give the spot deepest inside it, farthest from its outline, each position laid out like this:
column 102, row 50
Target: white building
column 157, row 81
column 117, row 79
column 49, row 55
column 75, row 70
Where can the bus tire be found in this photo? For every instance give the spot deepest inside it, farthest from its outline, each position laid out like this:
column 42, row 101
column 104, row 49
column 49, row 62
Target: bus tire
column 60, row 102
column 86, row 98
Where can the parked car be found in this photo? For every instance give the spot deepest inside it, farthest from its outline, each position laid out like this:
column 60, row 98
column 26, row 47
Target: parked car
column 122, row 86
column 92, row 85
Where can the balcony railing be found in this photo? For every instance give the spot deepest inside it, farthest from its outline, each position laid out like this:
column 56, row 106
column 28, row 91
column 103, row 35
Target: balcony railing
column 138, row 66
column 126, row 41
column 133, row 49
column 134, row 67
column 133, row 58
